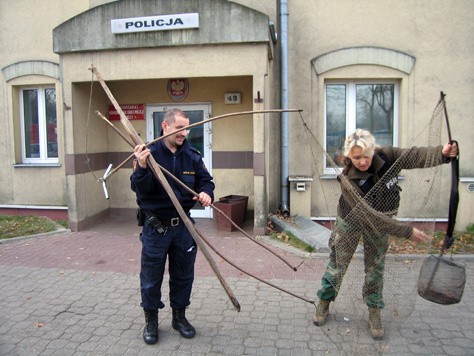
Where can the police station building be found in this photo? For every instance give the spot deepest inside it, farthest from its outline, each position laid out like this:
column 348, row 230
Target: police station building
column 210, row 58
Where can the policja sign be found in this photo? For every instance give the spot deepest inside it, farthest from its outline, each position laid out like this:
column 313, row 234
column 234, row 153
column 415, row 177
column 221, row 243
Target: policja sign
column 155, row 23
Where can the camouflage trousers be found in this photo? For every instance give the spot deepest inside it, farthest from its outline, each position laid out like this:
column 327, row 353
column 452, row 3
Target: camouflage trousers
column 343, row 243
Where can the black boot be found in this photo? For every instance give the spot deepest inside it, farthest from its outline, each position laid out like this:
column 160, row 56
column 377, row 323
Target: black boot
column 182, row 324
column 150, row 332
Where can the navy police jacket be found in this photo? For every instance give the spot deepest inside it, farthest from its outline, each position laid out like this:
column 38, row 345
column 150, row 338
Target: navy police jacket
column 187, row 165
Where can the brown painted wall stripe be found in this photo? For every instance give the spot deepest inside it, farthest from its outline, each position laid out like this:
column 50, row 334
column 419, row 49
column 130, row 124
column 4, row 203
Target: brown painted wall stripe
column 259, row 164
column 82, row 163
column 232, row 160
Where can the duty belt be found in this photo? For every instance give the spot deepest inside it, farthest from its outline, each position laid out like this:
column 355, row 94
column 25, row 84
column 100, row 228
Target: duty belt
column 161, row 224
column 170, row 222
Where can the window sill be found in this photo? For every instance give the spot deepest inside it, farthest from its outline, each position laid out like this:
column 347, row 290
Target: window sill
column 334, row 177
column 36, row 165
column 328, row 176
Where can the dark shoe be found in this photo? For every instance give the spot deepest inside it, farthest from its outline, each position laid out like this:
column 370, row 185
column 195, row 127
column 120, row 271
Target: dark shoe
column 322, row 312
column 150, row 332
column 182, row 324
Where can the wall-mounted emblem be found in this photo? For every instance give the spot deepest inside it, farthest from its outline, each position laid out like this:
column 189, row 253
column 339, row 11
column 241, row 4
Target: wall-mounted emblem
column 178, row 89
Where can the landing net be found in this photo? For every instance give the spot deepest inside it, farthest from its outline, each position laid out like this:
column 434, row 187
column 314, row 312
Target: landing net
column 410, row 193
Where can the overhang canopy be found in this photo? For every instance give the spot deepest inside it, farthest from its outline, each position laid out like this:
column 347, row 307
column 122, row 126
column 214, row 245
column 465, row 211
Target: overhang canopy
column 220, row 22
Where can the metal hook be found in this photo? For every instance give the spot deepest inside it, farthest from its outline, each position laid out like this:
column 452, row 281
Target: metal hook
column 104, row 180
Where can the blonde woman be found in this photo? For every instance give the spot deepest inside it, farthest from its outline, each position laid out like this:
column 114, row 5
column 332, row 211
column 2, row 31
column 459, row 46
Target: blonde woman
column 365, row 164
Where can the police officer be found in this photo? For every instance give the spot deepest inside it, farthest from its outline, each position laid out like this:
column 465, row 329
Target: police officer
column 164, row 233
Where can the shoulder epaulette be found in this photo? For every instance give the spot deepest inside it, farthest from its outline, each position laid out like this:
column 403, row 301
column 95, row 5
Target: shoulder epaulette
column 195, row 150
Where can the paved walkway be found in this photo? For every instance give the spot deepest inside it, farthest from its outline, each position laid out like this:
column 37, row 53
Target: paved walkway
column 78, row 294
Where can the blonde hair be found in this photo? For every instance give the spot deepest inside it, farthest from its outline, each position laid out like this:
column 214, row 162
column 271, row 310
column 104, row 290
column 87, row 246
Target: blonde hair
column 360, row 138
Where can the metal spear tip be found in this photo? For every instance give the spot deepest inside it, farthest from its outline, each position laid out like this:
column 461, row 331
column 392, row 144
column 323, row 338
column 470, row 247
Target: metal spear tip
column 104, row 187
column 104, row 181
column 107, row 173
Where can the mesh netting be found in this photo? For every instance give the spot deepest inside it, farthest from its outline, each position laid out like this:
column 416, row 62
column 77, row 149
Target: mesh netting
column 441, row 280
column 360, row 274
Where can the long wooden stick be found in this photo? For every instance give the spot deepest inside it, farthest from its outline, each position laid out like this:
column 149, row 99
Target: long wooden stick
column 252, row 275
column 184, row 186
column 219, row 117
column 172, row 176
column 161, row 178
column 108, row 122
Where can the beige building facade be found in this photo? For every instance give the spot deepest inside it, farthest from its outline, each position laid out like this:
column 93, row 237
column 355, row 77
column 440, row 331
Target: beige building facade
column 216, row 57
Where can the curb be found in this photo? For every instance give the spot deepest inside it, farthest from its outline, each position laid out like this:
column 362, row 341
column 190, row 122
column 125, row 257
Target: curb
column 294, row 250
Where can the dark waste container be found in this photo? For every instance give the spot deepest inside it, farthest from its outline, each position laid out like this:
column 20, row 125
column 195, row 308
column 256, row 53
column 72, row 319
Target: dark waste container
column 232, row 198
column 235, row 207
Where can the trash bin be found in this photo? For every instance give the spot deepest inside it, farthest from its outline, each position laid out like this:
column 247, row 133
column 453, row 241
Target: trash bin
column 234, row 209
column 232, row 198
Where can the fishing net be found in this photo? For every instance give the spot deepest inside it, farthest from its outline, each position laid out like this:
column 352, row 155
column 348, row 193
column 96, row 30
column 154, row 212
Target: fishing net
column 441, row 280
column 360, row 273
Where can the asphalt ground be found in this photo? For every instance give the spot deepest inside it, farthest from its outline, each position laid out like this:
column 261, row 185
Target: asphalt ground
column 78, row 294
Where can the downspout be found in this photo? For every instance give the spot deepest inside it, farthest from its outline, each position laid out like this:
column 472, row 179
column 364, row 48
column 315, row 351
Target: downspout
column 284, row 105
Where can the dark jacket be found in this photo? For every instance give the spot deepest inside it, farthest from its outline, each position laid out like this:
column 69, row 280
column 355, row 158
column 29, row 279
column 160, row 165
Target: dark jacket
column 387, row 163
column 187, row 165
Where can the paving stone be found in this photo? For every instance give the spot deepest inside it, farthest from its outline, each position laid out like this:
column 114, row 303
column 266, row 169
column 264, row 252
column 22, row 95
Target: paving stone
column 75, row 306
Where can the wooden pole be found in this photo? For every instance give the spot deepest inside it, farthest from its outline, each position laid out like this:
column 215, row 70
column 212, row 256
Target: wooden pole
column 219, row 117
column 136, row 139
column 184, row 186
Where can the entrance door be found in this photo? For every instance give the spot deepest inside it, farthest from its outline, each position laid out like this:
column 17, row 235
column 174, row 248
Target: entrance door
column 199, row 137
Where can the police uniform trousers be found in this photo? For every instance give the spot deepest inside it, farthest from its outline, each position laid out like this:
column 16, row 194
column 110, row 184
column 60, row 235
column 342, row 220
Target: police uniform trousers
column 177, row 244
column 343, row 243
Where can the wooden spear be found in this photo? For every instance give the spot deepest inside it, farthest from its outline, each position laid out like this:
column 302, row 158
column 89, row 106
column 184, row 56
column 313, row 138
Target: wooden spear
column 184, row 186
column 161, row 178
column 219, row 117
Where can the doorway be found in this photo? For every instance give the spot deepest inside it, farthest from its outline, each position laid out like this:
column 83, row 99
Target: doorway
column 200, row 137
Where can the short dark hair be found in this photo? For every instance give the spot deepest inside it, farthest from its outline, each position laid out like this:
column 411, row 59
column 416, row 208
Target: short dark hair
column 172, row 113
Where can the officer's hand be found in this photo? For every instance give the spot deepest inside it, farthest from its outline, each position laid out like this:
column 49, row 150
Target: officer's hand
column 204, row 199
column 420, row 236
column 141, row 153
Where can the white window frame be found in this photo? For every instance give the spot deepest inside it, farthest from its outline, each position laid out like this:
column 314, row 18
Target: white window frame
column 42, row 127
column 351, row 86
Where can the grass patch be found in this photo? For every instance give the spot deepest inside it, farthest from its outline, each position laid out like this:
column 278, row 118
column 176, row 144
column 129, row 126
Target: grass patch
column 463, row 244
column 292, row 240
column 15, row 226
column 470, row 229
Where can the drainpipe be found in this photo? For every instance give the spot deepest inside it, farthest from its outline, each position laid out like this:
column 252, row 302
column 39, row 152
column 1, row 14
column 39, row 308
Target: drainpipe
column 284, row 105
